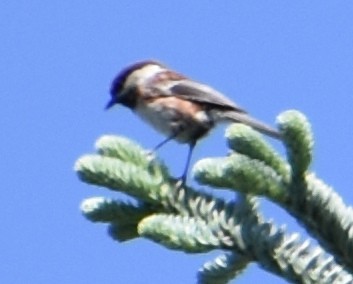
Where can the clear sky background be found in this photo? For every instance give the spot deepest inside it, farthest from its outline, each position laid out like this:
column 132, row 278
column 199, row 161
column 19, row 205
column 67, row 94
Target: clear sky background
column 57, row 59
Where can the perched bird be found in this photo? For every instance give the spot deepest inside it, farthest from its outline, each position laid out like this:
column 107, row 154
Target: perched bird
column 178, row 107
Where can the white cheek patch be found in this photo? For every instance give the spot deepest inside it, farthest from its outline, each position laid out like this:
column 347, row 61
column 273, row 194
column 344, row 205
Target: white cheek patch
column 142, row 75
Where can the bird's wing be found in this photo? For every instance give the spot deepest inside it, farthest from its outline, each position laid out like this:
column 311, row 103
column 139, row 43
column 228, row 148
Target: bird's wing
column 191, row 90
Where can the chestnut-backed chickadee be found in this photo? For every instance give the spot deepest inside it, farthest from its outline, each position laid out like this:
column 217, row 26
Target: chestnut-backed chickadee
column 180, row 108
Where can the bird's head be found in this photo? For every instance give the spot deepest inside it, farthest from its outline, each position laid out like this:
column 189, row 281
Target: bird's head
column 128, row 81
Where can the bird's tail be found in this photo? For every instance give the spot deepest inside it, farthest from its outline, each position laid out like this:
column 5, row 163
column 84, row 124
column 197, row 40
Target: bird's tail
column 252, row 122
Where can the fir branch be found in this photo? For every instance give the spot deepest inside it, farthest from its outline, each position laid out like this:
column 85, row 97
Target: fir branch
column 244, row 140
column 222, row 269
column 191, row 235
column 326, row 217
column 298, row 139
column 192, row 221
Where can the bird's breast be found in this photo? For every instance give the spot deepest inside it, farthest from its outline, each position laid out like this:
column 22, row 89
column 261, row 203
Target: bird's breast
column 173, row 116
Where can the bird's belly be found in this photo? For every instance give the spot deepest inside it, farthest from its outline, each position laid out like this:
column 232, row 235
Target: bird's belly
column 157, row 117
column 171, row 121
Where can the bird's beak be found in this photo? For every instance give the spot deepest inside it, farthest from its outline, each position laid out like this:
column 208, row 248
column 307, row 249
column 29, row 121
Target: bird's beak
column 110, row 104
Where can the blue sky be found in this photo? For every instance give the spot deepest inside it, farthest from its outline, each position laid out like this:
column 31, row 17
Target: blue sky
column 57, row 59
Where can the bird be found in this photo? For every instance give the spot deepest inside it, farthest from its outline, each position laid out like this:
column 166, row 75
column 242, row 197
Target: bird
column 182, row 109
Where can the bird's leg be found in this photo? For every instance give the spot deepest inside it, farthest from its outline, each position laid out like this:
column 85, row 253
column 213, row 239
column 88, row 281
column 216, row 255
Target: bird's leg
column 182, row 180
column 165, row 141
column 150, row 153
